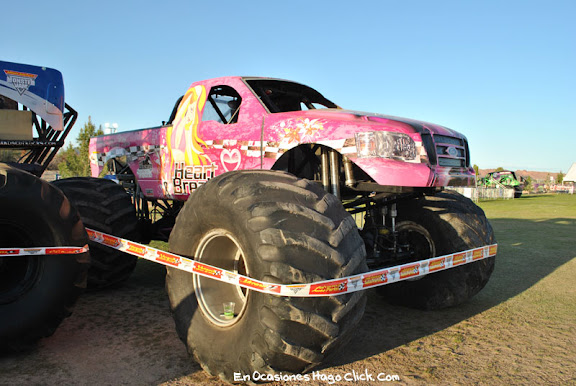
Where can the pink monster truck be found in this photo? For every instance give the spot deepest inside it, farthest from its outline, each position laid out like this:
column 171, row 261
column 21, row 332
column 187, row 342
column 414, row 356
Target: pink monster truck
column 262, row 176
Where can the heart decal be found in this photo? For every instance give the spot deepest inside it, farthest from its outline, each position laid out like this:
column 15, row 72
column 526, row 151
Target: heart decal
column 230, row 159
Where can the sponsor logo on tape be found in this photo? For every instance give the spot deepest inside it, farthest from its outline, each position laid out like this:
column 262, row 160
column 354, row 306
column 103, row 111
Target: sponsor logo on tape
column 410, row 271
column 459, row 258
column 478, row 254
column 207, row 270
column 136, row 249
column 492, row 249
column 331, row 287
column 33, row 251
column 57, row 251
column 297, row 288
column 111, row 241
column 437, row 264
column 374, row 279
column 167, row 258
column 267, row 287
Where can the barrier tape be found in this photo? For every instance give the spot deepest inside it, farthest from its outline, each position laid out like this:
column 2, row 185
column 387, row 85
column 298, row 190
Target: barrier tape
column 331, row 287
column 322, row 288
column 9, row 252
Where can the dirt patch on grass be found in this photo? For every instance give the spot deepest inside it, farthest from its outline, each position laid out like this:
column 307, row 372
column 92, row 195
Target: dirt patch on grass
column 521, row 329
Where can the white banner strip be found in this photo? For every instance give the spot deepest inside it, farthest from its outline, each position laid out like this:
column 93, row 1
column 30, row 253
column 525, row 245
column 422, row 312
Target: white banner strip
column 10, row 252
column 323, row 288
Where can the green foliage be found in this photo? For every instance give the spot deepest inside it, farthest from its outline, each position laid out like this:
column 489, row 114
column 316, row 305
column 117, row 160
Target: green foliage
column 499, row 169
column 9, row 155
column 476, row 169
column 76, row 161
column 528, row 183
column 560, row 177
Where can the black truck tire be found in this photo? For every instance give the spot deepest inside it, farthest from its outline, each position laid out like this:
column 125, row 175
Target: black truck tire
column 442, row 224
column 277, row 228
column 36, row 292
column 104, row 206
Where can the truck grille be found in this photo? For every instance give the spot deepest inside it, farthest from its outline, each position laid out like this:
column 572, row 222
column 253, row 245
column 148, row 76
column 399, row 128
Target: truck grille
column 451, row 151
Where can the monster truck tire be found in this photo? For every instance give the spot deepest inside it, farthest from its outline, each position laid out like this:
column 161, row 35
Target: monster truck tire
column 106, row 207
column 451, row 223
column 36, row 292
column 277, row 228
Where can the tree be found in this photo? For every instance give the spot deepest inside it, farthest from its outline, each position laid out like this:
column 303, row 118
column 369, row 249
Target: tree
column 528, row 183
column 76, row 159
column 499, row 169
column 476, row 170
column 559, row 177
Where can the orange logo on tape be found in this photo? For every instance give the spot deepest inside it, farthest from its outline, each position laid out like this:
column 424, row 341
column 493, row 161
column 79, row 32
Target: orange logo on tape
column 378, row 278
column 437, row 264
column 251, row 283
column 412, row 270
column 333, row 287
column 258, row 285
column 477, row 254
column 136, row 249
column 201, row 268
column 167, row 258
column 110, row 241
column 58, row 251
column 459, row 258
column 493, row 249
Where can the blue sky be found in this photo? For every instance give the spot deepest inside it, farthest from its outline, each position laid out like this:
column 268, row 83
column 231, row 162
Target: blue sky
column 501, row 72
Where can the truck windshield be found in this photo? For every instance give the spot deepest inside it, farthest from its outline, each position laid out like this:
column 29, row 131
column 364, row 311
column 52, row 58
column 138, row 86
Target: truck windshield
column 282, row 96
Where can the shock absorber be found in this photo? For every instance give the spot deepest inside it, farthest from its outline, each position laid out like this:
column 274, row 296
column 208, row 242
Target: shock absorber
column 393, row 215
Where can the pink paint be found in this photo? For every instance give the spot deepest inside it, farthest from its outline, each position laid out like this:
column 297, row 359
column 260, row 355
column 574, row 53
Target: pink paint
column 174, row 160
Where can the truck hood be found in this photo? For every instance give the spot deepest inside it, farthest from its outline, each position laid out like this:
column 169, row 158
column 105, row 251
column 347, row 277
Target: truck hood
column 374, row 119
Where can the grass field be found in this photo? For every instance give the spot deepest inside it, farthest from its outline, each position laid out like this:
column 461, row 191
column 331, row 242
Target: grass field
column 526, row 331
column 521, row 329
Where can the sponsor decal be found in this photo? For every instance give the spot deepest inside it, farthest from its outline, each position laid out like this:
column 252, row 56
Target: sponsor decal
column 355, row 282
column 207, row 270
column 136, row 249
column 259, row 285
column 411, row 270
column 331, row 287
column 167, row 258
column 59, row 251
column 437, row 264
column 477, row 254
column 32, row 251
column 296, row 288
column 20, row 80
column 459, row 258
column 273, row 288
column 91, row 234
column 492, row 250
column 375, row 279
column 111, row 241
column 9, row 252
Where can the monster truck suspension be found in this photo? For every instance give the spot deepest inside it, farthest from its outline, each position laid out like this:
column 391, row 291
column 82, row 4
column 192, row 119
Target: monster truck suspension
column 156, row 217
column 404, row 224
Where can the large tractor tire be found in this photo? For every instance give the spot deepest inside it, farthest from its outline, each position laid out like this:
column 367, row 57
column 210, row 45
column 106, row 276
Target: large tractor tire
column 439, row 225
column 106, row 207
column 277, row 228
column 36, row 292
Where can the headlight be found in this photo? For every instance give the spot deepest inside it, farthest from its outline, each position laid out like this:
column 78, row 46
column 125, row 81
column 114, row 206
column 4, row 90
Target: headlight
column 386, row 145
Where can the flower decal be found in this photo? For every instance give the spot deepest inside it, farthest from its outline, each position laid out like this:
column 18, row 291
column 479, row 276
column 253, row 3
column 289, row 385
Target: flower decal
column 298, row 130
